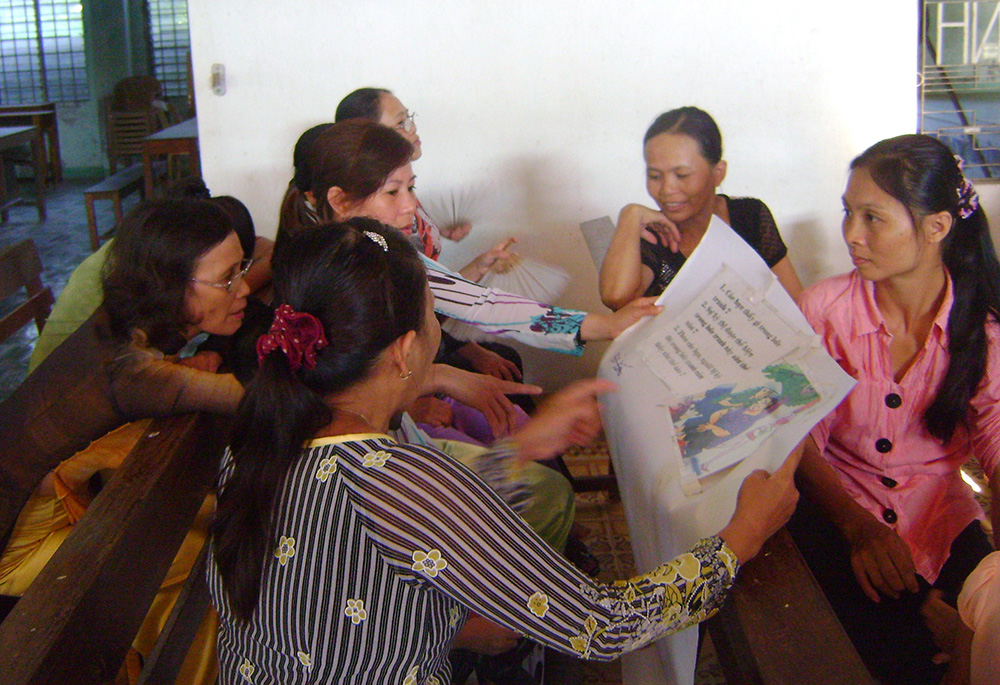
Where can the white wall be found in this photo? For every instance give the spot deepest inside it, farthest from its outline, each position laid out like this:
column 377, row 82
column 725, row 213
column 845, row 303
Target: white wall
column 542, row 105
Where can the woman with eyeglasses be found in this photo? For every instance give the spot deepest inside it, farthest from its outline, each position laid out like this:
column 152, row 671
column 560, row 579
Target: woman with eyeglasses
column 176, row 269
column 382, row 106
column 82, row 294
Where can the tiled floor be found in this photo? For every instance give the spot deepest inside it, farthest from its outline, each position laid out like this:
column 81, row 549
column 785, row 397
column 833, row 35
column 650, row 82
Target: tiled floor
column 63, row 242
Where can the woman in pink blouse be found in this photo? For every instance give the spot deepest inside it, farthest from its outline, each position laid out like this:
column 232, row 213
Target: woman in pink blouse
column 885, row 516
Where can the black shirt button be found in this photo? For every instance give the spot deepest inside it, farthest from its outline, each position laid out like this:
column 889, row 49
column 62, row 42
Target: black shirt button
column 883, row 445
column 893, row 401
column 890, row 516
column 889, row 482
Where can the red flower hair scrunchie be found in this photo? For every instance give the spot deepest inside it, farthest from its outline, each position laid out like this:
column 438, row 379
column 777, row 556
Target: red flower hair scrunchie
column 298, row 334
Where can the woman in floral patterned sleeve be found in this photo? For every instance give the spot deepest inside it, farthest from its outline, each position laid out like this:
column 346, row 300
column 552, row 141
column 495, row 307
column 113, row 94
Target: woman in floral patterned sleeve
column 342, row 556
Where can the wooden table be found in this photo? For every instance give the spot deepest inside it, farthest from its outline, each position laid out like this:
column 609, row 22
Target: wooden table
column 15, row 136
column 179, row 139
column 41, row 115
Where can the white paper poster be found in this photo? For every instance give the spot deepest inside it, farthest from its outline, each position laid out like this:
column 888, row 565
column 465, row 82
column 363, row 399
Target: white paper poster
column 728, row 379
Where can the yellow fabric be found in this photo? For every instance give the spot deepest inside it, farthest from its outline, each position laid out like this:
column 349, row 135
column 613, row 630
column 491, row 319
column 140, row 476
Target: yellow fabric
column 60, row 501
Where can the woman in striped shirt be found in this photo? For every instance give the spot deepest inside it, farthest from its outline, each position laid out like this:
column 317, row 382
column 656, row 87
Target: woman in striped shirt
column 341, row 556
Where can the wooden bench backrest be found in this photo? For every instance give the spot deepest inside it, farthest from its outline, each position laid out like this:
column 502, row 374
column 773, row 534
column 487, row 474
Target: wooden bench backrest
column 76, row 622
column 20, row 267
column 778, row 627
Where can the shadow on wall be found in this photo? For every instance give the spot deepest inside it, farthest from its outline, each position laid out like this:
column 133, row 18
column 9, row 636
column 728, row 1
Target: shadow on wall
column 535, row 199
column 549, row 204
column 813, row 251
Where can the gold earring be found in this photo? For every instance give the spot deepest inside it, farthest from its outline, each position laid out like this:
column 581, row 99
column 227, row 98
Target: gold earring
column 406, row 375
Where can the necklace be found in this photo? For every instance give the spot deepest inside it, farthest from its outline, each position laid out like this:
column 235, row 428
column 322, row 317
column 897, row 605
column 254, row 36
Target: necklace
column 360, row 416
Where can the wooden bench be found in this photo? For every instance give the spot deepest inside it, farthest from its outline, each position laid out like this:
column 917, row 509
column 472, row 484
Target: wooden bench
column 77, row 620
column 21, row 267
column 778, row 627
column 114, row 188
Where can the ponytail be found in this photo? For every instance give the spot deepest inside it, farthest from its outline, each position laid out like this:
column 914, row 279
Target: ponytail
column 277, row 416
column 972, row 263
column 348, row 291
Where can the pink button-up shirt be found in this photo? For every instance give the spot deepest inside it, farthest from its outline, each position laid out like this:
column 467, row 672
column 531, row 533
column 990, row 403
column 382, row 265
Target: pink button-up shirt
column 876, row 439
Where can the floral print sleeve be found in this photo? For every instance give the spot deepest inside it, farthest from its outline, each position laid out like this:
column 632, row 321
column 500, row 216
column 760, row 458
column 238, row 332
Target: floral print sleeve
column 494, row 312
column 434, row 519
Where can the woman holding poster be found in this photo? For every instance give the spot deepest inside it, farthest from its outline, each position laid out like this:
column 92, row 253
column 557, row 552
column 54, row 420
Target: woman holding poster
column 684, row 169
column 888, row 521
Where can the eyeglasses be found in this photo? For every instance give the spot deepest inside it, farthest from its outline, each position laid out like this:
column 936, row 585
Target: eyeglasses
column 408, row 124
column 233, row 283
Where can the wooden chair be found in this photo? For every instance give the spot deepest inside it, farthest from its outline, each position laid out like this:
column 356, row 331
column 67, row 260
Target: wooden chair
column 126, row 131
column 20, row 267
column 135, row 94
column 133, row 111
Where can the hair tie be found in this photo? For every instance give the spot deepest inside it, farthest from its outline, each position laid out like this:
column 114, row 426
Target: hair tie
column 298, row 334
column 377, row 239
column 968, row 198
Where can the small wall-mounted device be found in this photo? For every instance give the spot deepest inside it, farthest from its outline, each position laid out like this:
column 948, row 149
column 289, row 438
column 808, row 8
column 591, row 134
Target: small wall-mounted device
column 219, row 79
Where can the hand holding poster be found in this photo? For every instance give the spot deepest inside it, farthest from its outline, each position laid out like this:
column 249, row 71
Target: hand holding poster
column 728, row 379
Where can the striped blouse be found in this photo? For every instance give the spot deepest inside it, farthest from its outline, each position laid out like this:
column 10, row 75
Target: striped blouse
column 490, row 311
column 381, row 549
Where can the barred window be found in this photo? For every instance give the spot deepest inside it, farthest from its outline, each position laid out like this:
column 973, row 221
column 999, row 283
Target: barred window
column 171, row 43
column 41, row 51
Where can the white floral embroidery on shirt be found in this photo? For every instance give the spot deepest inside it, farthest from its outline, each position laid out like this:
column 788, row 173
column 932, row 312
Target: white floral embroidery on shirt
column 327, row 467
column 432, row 680
column 304, row 659
column 411, row 676
column 286, row 550
column 246, row 670
column 428, row 563
column 376, row 459
column 355, row 609
column 539, row 604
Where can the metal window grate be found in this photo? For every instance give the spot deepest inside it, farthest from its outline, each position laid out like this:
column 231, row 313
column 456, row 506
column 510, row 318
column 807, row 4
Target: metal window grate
column 41, row 51
column 960, row 79
column 171, row 43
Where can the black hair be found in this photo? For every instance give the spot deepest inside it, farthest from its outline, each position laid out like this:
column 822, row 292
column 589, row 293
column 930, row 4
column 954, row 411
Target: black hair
column 363, row 297
column 242, row 222
column 150, row 264
column 694, row 123
column 364, row 103
column 923, row 174
column 300, row 157
column 191, row 187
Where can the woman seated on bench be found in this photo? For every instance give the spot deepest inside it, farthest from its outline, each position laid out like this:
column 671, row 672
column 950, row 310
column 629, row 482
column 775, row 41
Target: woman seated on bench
column 174, row 270
column 885, row 516
column 684, row 168
column 358, row 558
column 82, row 294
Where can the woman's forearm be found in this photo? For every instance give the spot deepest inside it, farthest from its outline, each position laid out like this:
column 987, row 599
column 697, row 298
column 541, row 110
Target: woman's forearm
column 818, row 481
column 621, row 271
